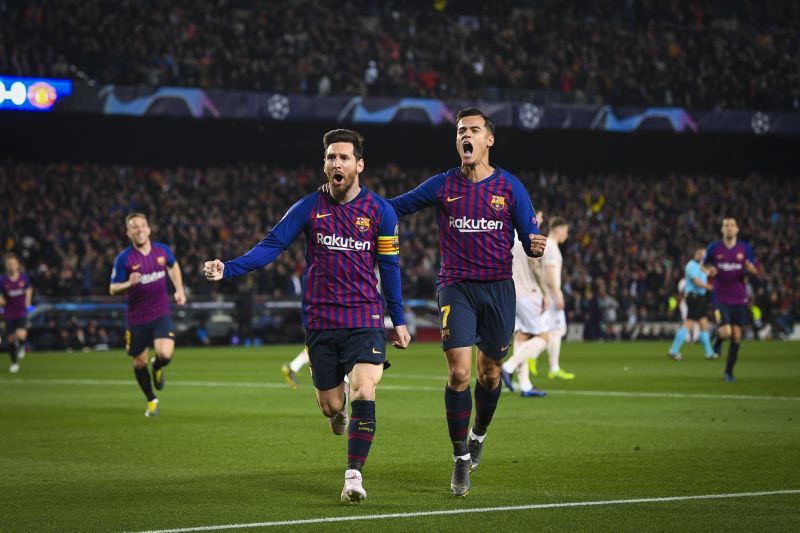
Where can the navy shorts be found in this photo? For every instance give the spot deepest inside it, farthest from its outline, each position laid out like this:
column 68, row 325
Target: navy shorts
column 13, row 324
column 332, row 353
column 478, row 313
column 737, row 315
column 140, row 337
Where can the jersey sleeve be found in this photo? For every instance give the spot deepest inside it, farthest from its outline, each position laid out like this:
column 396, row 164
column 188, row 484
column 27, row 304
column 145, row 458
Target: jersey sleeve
column 523, row 216
column 27, row 281
column 389, row 264
column 120, row 272
column 276, row 241
column 748, row 253
column 170, row 255
column 425, row 195
column 692, row 271
column 708, row 259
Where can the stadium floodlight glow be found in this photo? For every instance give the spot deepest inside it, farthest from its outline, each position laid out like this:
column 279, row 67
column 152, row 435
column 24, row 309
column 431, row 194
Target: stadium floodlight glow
column 32, row 94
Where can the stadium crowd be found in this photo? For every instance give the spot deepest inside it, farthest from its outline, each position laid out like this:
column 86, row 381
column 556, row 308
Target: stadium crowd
column 701, row 54
column 630, row 235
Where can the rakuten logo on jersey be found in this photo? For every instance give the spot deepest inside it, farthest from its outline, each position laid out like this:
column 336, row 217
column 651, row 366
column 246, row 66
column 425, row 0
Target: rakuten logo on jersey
column 470, row 225
column 729, row 267
column 153, row 276
column 344, row 244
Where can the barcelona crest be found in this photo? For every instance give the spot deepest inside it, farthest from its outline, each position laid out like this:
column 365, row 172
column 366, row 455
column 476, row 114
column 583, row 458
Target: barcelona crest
column 739, row 256
column 362, row 223
column 498, row 202
column 161, row 260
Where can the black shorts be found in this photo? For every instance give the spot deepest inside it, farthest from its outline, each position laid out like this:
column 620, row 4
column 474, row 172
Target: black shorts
column 697, row 306
column 737, row 315
column 140, row 337
column 478, row 313
column 13, row 324
column 332, row 353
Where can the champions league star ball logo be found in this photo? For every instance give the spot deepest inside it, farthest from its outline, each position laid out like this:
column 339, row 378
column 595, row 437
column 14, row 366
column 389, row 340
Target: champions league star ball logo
column 529, row 116
column 498, row 203
column 362, row 223
column 760, row 123
column 278, row 106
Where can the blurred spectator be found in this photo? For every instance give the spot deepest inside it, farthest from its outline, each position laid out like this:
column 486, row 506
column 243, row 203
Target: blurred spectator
column 634, row 241
column 689, row 53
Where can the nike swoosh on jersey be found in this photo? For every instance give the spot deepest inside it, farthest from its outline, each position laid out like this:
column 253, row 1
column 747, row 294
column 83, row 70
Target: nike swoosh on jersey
column 376, row 351
column 136, row 267
column 453, row 199
column 323, row 216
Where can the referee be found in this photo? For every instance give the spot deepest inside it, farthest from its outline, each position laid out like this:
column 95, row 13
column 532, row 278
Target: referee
column 695, row 292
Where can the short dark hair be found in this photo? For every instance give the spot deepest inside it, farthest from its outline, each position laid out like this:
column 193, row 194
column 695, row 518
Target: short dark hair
column 555, row 222
column 475, row 112
column 345, row 136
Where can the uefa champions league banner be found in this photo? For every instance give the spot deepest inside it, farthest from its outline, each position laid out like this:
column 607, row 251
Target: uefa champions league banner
column 214, row 103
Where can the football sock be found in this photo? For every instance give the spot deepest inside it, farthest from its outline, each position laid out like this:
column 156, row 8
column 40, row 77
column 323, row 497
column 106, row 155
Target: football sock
column 706, row 343
column 554, row 349
column 680, row 338
column 458, row 407
column 13, row 348
column 143, row 377
column 733, row 355
column 360, row 432
column 718, row 344
column 524, row 377
column 485, row 406
column 160, row 363
column 298, row 362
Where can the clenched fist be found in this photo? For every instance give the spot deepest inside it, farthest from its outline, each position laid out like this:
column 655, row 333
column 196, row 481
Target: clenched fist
column 212, row 270
column 538, row 242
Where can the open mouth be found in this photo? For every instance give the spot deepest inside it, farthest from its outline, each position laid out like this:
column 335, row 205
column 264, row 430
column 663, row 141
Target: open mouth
column 467, row 146
column 338, row 179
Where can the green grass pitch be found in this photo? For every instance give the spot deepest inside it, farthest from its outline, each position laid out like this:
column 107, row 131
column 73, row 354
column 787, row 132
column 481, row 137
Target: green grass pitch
column 234, row 445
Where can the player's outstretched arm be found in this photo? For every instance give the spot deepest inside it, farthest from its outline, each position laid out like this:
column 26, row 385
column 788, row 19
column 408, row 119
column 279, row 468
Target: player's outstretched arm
column 403, row 337
column 425, row 195
column 213, row 270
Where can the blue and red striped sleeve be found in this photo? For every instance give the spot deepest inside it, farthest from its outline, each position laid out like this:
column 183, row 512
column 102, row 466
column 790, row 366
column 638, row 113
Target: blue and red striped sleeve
column 389, row 262
column 425, row 195
column 276, row 241
column 523, row 216
column 119, row 273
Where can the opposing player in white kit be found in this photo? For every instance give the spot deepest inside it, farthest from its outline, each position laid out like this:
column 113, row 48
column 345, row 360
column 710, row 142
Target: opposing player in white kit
column 530, row 330
column 552, row 262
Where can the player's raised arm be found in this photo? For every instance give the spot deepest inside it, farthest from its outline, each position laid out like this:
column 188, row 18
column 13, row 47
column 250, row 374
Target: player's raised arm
column 389, row 266
column 265, row 252
column 424, row 195
column 524, row 220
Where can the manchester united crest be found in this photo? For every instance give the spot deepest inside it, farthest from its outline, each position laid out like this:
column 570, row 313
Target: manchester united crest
column 498, row 203
column 362, row 223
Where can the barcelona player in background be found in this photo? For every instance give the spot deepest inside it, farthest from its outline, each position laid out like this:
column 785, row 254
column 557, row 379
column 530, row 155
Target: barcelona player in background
column 140, row 273
column 348, row 230
column 729, row 260
column 16, row 295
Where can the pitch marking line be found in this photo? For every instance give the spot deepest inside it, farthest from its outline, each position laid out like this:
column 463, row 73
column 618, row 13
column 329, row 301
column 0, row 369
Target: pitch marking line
column 410, row 388
column 478, row 510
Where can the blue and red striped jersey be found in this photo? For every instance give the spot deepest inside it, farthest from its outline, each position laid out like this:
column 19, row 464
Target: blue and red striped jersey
column 14, row 293
column 730, row 283
column 476, row 222
column 343, row 244
column 149, row 299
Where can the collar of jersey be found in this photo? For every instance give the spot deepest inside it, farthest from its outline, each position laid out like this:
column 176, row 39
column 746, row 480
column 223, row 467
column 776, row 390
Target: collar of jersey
column 494, row 174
